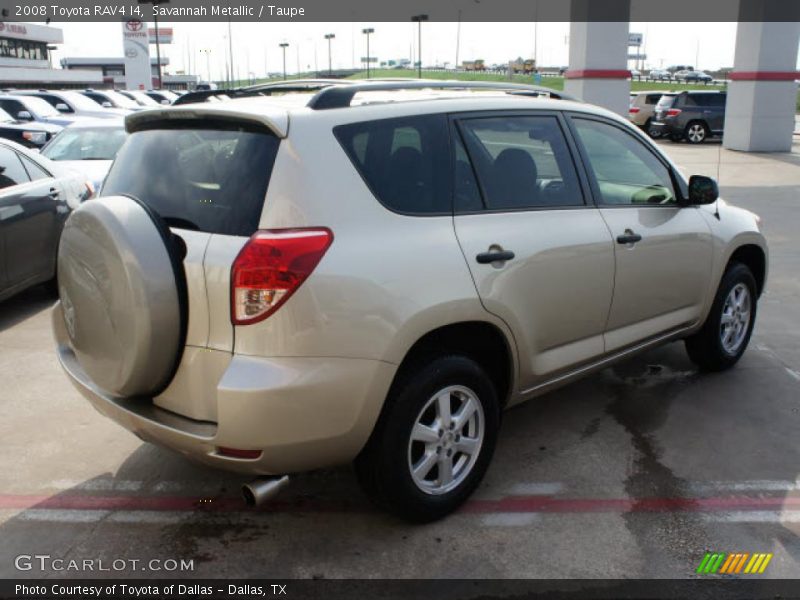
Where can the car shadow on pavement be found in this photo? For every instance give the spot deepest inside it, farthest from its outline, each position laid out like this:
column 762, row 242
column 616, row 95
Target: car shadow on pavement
column 652, row 435
column 24, row 305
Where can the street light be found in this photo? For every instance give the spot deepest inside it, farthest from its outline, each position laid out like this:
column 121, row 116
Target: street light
column 418, row 19
column 158, row 44
column 367, row 32
column 329, row 37
column 207, row 52
column 284, row 46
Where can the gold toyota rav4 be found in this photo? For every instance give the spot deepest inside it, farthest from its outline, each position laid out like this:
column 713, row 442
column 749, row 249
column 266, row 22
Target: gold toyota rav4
column 373, row 272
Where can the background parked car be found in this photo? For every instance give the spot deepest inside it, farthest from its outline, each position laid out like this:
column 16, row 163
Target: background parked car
column 680, row 75
column 660, row 75
column 111, row 99
column 642, row 109
column 162, row 96
column 36, row 196
column 140, row 98
column 30, row 135
column 697, row 76
column 73, row 103
column 31, row 108
column 693, row 115
column 88, row 147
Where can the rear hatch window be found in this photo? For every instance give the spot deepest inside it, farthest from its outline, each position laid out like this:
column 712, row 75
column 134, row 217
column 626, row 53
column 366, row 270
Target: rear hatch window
column 665, row 102
column 206, row 176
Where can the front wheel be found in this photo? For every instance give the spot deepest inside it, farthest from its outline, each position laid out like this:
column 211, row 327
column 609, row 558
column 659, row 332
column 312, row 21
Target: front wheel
column 725, row 334
column 696, row 132
column 434, row 440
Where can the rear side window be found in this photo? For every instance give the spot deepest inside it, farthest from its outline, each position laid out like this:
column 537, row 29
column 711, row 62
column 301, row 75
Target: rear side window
column 405, row 162
column 211, row 177
column 11, row 170
column 521, row 162
column 652, row 98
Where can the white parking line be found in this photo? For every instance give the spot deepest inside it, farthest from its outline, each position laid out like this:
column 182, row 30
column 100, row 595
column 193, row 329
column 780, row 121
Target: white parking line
column 752, row 485
column 754, row 516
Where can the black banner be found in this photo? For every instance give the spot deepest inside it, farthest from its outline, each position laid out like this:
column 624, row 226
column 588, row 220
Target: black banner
column 389, row 10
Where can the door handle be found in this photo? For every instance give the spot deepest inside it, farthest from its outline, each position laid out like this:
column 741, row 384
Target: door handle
column 629, row 237
column 486, row 258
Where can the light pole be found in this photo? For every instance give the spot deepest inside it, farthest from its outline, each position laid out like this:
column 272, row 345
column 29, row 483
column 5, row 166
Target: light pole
column 283, row 46
column 158, row 44
column 207, row 52
column 329, row 37
column 366, row 32
column 230, row 44
column 418, row 19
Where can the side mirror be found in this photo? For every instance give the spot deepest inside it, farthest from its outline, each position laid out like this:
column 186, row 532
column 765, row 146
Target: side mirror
column 107, row 104
column 702, row 190
column 61, row 107
column 24, row 115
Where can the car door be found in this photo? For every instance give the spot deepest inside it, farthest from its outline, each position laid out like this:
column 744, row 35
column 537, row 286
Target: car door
column 663, row 251
column 29, row 218
column 717, row 112
column 541, row 257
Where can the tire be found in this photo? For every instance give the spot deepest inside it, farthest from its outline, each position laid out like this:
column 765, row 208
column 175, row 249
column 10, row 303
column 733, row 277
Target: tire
column 384, row 467
column 696, row 132
column 708, row 348
column 650, row 130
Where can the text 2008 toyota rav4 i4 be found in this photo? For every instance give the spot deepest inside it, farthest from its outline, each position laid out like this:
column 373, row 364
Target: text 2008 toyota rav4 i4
column 273, row 285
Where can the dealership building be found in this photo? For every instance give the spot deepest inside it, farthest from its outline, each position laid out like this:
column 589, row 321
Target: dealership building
column 25, row 60
column 112, row 71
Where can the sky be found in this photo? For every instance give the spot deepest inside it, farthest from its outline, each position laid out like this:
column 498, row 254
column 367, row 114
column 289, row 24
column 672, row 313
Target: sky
column 255, row 45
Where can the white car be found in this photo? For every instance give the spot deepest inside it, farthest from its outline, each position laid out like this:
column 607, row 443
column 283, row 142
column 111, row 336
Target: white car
column 373, row 272
column 88, row 147
column 73, row 104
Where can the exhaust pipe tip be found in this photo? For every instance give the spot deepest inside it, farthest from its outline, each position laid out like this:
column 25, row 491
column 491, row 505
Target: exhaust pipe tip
column 263, row 489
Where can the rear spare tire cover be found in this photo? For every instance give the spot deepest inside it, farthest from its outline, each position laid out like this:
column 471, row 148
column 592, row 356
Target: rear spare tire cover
column 123, row 295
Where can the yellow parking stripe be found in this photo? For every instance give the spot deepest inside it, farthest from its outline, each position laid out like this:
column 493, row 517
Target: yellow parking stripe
column 765, row 563
column 751, row 566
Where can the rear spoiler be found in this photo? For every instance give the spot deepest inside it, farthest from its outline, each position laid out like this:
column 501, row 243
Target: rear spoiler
column 274, row 118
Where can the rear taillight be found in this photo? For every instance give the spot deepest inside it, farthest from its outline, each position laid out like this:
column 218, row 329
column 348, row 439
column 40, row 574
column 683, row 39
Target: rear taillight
column 270, row 268
column 633, row 110
column 673, row 112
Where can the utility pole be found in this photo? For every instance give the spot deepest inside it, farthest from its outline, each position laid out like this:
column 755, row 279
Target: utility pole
column 230, row 43
column 329, row 37
column 207, row 52
column 367, row 32
column 418, row 19
column 458, row 36
column 283, row 46
column 158, row 44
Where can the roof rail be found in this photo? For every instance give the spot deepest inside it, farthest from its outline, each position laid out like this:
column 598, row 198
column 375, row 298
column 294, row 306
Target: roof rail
column 340, row 96
column 262, row 89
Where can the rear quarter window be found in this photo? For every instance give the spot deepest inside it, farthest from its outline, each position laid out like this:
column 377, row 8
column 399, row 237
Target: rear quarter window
column 405, row 162
column 207, row 176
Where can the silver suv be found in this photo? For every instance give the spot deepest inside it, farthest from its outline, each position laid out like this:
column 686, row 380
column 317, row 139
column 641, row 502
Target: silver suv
column 373, row 272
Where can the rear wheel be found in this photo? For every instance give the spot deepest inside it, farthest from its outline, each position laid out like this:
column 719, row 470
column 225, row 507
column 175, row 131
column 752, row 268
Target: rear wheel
column 726, row 332
column 434, row 441
column 653, row 132
column 696, row 132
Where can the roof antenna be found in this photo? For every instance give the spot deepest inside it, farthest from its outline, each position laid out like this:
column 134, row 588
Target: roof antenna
column 719, row 161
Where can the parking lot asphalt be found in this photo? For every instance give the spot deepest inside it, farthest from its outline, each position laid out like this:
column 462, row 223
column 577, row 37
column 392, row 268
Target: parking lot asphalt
column 636, row 471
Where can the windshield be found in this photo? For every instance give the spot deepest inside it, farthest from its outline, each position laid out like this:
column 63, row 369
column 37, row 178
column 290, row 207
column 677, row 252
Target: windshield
column 143, row 99
column 119, row 100
column 79, row 101
column 38, row 106
column 86, row 143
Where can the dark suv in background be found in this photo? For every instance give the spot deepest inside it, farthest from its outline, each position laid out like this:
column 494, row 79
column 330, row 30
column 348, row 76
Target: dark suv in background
column 691, row 116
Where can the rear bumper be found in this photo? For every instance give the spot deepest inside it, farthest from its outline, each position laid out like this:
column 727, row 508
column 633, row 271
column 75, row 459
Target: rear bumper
column 302, row 413
column 666, row 128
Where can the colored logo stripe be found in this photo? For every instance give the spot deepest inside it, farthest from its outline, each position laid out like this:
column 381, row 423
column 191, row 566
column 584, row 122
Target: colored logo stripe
column 734, row 563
